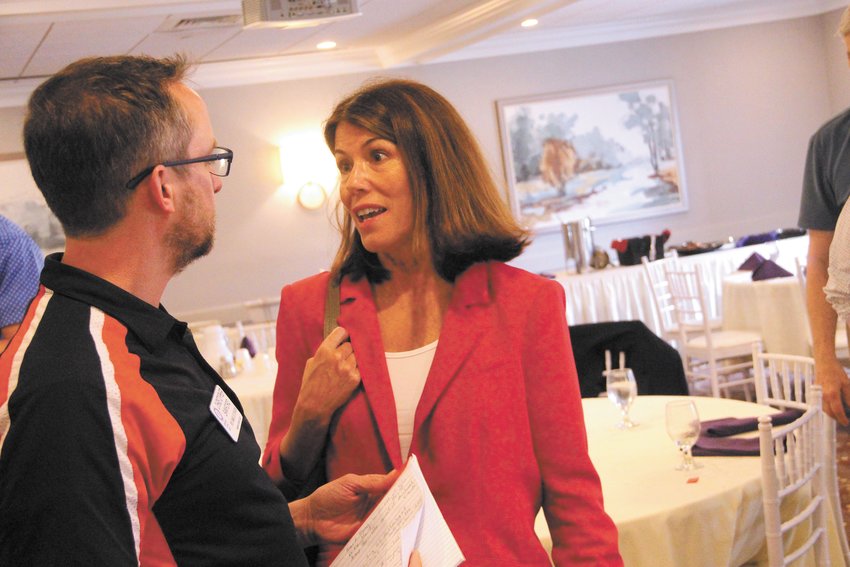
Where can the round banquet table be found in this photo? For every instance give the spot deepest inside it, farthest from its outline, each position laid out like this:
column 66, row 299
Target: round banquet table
column 622, row 294
column 773, row 308
column 665, row 518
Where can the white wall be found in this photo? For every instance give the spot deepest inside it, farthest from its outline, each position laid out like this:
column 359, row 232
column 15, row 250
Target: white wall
column 837, row 60
column 11, row 124
column 748, row 98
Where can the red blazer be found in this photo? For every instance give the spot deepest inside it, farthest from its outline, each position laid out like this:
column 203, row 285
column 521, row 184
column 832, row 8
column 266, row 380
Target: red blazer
column 498, row 431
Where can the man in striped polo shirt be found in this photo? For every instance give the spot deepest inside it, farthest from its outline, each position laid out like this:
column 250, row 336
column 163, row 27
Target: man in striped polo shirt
column 119, row 444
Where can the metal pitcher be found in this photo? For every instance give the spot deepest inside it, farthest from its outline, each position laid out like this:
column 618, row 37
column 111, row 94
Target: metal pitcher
column 578, row 243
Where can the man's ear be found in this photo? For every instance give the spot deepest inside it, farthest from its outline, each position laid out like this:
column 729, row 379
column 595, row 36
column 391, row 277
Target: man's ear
column 160, row 189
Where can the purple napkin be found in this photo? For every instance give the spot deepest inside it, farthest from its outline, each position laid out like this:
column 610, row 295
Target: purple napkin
column 726, row 447
column 714, row 440
column 769, row 270
column 752, row 239
column 727, row 426
column 248, row 344
column 754, row 261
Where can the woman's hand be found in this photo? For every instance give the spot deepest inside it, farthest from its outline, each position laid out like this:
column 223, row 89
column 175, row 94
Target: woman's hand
column 329, row 378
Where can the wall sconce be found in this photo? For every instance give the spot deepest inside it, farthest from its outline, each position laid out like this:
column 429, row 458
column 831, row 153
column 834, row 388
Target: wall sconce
column 312, row 196
column 307, row 168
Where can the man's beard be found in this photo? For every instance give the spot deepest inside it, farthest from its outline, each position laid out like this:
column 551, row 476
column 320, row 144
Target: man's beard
column 187, row 250
column 191, row 239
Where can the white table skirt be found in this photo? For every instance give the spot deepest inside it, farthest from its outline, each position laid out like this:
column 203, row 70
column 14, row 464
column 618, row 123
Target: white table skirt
column 255, row 391
column 621, row 293
column 773, row 308
column 663, row 520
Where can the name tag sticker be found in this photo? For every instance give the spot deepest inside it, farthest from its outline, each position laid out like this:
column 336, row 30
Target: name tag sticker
column 226, row 413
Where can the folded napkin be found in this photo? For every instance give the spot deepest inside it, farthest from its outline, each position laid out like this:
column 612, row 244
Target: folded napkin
column 714, row 440
column 726, row 447
column 752, row 239
column 754, row 261
column 249, row 345
column 769, row 270
column 726, row 426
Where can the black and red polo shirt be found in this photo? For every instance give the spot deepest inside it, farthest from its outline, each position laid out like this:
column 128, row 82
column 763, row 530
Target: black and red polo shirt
column 109, row 454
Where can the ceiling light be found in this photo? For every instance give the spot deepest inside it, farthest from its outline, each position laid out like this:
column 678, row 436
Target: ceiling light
column 326, row 45
column 529, row 23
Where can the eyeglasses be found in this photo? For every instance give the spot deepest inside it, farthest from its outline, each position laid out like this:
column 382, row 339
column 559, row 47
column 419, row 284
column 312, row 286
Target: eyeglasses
column 218, row 164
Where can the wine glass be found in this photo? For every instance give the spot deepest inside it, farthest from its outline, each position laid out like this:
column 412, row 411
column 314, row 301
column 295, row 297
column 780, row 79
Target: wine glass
column 622, row 391
column 683, row 429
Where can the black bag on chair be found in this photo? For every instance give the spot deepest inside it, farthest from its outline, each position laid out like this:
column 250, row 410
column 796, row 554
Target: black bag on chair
column 657, row 365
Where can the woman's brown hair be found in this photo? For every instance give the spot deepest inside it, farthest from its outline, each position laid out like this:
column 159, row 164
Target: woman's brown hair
column 456, row 203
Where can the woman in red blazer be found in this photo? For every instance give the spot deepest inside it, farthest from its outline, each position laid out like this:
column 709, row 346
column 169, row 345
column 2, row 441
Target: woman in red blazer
column 453, row 355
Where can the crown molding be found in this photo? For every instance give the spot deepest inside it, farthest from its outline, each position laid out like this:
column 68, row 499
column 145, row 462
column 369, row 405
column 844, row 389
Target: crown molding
column 464, row 28
column 240, row 72
column 284, row 68
column 579, row 36
column 17, row 92
column 471, row 34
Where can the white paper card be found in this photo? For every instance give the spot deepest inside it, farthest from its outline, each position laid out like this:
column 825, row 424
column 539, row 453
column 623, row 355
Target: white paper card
column 226, row 412
column 407, row 518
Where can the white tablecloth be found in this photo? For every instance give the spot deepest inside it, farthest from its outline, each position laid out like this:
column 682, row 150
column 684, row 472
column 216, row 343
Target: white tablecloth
column 662, row 519
column 255, row 390
column 621, row 293
column 773, row 308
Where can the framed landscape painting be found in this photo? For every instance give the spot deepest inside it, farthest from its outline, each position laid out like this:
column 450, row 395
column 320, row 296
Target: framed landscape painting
column 611, row 155
column 22, row 203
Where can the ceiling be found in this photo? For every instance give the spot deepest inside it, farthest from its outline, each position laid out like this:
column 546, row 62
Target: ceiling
column 39, row 37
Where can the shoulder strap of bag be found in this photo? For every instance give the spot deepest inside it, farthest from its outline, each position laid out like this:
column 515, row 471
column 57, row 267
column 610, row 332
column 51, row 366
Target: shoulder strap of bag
column 331, row 306
column 317, row 477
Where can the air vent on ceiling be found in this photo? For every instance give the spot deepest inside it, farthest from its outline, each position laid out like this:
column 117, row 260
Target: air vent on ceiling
column 177, row 24
column 296, row 13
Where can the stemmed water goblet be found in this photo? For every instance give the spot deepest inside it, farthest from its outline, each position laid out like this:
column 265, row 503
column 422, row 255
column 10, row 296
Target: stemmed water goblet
column 683, row 428
column 622, row 391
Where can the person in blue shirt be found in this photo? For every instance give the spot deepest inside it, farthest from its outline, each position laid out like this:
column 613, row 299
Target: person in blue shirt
column 20, row 263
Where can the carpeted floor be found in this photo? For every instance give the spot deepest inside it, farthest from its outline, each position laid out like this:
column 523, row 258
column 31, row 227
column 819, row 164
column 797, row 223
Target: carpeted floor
column 842, row 455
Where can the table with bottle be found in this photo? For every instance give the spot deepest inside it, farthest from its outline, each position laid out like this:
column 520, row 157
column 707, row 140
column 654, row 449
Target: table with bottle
column 620, row 293
column 667, row 517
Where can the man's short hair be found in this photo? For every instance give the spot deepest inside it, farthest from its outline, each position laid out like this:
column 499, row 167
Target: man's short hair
column 94, row 125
